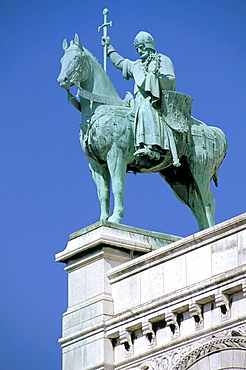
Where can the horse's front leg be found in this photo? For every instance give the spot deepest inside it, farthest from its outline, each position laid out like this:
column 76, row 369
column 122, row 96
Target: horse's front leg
column 100, row 175
column 117, row 169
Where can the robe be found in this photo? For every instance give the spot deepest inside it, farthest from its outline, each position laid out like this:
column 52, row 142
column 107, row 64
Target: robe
column 150, row 127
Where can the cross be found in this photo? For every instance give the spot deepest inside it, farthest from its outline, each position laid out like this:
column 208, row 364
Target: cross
column 105, row 27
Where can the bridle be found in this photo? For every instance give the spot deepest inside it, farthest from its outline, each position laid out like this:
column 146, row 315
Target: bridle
column 79, row 75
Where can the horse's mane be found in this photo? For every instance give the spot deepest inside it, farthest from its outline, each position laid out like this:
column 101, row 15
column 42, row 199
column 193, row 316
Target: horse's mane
column 108, row 81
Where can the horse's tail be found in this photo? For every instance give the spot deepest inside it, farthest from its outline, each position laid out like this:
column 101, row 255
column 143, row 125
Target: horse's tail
column 221, row 146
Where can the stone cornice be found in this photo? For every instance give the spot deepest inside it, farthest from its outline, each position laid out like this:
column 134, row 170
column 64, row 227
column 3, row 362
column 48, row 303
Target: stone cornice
column 118, row 236
column 179, row 247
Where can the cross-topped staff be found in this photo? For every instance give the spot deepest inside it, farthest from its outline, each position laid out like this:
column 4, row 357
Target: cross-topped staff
column 105, row 27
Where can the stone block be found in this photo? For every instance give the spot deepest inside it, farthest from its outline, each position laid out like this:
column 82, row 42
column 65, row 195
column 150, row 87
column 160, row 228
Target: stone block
column 126, row 293
column 175, row 274
column 198, row 265
column 151, row 283
column 215, row 361
column 238, row 306
column 77, row 291
column 208, row 309
column 203, row 364
column 224, row 254
column 227, row 358
column 239, row 358
column 163, row 335
column 187, row 324
column 242, row 248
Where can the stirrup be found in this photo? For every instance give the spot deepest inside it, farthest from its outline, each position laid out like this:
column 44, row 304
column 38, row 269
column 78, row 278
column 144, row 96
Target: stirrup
column 152, row 154
column 141, row 151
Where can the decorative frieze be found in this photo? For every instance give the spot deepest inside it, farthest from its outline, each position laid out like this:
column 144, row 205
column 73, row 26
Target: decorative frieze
column 183, row 357
column 214, row 346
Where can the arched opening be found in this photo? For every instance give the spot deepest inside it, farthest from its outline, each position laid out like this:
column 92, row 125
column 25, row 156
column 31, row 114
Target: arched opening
column 228, row 353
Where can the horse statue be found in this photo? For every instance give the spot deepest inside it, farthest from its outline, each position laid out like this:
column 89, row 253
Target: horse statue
column 107, row 139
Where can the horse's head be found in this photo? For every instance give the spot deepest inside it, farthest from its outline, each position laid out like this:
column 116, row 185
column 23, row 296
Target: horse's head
column 75, row 66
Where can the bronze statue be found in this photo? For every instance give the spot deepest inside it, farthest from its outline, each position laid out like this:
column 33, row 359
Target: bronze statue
column 188, row 153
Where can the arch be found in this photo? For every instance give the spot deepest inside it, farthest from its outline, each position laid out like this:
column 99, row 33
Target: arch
column 228, row 353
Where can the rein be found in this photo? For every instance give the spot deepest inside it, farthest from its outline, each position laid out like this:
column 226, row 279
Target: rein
column 89, row 95
column 76, row 78
column 97, row 98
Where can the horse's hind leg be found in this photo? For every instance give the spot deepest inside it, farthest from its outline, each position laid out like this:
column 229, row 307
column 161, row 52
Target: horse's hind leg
column 208, row 201
column 202, row 207
column 100, row 175
column 117, row 170
column 189, row 192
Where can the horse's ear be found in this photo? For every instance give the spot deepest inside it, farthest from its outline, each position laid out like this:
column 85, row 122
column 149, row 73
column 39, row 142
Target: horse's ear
column 77, row 41
column 64, row 45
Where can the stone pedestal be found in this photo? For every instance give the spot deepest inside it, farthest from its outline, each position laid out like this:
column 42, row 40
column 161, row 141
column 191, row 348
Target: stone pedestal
column 143, row 300
column 89, row 255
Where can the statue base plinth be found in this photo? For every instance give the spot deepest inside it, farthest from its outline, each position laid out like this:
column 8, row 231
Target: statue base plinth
column 89, row 254
column 136, row 241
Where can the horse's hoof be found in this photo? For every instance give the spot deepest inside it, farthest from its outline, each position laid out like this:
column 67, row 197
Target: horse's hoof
column 116, row 220
column 104, row 218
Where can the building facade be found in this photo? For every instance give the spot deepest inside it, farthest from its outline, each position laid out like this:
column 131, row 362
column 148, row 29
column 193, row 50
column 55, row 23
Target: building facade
column 144, row 300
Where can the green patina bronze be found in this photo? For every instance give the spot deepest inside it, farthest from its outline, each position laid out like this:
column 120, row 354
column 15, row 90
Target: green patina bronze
column 153, row 132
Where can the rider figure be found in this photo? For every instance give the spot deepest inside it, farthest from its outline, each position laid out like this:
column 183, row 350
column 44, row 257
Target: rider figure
column 152, row 73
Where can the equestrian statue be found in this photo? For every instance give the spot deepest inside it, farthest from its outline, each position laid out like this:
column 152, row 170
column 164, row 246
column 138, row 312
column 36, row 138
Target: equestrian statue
column 150, row 132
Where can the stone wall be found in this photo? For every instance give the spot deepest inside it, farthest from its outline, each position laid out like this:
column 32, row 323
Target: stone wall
column 144, row 300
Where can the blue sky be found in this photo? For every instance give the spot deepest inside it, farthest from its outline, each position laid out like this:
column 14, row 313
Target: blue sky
column 46, row 191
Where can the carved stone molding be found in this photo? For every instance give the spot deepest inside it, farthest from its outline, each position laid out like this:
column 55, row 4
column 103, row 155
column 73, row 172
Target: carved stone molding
column 215, row 345
column 182, row 358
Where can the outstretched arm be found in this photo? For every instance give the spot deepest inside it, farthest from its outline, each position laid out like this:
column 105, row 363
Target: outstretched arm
column 115, row 58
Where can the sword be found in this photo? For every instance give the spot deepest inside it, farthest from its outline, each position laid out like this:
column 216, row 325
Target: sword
column 104, row 26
